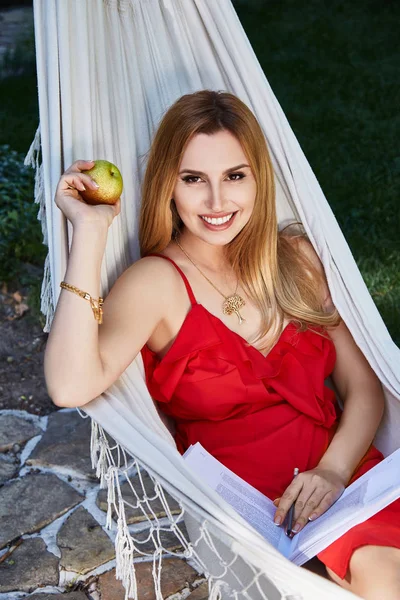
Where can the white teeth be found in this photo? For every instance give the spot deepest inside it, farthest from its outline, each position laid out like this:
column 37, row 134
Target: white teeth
column 218, row 221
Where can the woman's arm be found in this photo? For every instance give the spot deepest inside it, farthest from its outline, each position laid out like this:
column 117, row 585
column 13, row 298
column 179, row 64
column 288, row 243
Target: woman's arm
column 72, row 359
column 363, row 400
column 361, row 393
column 83, row 358
column 359, row 389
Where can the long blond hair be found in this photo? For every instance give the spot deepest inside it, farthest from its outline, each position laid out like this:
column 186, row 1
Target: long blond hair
column 280, row 280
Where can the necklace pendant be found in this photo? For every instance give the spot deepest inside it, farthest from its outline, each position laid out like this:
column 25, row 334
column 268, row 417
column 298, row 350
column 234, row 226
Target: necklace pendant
column 232, row 305
column 239, row 316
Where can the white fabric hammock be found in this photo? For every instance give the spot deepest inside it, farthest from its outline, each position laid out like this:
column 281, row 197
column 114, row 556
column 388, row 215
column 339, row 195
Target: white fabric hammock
column 107, row 70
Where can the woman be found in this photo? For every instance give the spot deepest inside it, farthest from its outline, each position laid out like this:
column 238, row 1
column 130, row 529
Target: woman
column 236, row 327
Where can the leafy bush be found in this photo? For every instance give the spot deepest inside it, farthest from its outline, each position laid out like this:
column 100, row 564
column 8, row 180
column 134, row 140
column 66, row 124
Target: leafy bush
column 19, row 111
column 20, row 231
column 19, row 60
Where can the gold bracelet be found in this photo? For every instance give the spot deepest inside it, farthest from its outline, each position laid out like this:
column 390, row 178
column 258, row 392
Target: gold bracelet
column 97, row 310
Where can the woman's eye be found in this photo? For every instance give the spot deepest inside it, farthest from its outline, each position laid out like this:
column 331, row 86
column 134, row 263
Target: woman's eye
column 186, row 179
column 240, row 175
column 190, row 178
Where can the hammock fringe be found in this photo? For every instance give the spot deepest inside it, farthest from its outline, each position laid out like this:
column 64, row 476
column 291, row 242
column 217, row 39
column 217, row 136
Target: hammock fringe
column 126, row 550
column 32, row 160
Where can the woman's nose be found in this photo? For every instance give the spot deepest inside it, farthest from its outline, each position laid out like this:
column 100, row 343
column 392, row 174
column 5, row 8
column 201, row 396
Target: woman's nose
column 214, row 200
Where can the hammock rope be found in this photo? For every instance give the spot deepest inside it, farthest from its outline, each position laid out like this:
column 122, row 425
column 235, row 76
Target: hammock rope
column 248, row 584
column 107, row 71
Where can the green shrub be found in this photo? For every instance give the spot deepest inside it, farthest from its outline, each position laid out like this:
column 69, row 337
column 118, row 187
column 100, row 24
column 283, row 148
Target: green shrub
column 19, row 110
column 20, row 60
column 20, row 231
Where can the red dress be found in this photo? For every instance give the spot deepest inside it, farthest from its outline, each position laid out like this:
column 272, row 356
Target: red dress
column 260, row 416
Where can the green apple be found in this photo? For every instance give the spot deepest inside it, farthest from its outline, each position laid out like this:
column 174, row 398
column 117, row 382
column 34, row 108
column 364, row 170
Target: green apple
column 108, row 178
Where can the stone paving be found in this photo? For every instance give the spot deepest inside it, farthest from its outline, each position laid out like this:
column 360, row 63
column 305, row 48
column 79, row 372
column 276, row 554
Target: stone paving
column 53, row 540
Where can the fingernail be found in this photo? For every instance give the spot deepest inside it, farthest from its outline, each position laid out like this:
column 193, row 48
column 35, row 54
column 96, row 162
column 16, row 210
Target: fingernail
column 277, row 521
column 84, row 189
column 312, row 517
column 95, row 184
column 296, row 528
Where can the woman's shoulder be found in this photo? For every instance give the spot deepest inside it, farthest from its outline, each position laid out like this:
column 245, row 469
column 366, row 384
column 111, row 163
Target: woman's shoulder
column 147, row 287
column 149, row 266
column 152, row 273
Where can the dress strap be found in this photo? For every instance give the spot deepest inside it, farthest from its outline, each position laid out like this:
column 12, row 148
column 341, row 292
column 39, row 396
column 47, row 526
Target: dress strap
column 182, row 274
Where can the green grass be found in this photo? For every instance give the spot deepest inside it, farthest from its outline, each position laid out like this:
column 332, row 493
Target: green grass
column 334, row 68
column 19, row 109
column 19, row 112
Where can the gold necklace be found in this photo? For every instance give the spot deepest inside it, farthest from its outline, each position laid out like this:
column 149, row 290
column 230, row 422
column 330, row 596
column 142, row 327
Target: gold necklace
column 232, row 304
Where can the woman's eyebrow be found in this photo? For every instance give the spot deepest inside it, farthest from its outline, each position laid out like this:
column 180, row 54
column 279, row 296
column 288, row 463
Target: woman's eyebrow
column 224, row 173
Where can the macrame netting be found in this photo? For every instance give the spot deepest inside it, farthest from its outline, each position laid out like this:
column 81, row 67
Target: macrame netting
column 107, row 71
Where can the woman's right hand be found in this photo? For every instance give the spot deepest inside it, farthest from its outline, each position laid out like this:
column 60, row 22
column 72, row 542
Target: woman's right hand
column 71, row 203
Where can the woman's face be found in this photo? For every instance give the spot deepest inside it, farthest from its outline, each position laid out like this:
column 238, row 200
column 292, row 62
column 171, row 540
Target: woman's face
column 215, row 189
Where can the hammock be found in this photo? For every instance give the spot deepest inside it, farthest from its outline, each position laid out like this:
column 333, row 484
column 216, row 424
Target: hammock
column 107, row 71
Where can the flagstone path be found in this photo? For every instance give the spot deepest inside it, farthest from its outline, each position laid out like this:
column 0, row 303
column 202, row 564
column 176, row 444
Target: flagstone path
column 53, row 540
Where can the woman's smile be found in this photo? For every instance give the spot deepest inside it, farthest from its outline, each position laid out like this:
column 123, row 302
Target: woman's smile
column 218, row 223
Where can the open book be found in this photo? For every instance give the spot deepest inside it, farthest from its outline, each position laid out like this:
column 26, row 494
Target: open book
column 370, row 493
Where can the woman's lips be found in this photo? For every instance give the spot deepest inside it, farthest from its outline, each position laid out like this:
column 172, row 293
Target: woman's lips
column 220, row 227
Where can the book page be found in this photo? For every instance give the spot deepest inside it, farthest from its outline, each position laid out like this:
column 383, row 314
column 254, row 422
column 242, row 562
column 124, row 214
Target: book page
column 370, row 493
column 365, row 497
column 252, row 505
column 382, row 482
column 250, row 494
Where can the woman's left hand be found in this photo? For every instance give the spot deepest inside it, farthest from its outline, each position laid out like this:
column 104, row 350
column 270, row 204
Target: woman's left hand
column 314, row 492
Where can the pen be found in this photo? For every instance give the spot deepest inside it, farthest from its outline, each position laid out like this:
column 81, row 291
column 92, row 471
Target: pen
column 291, row 511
